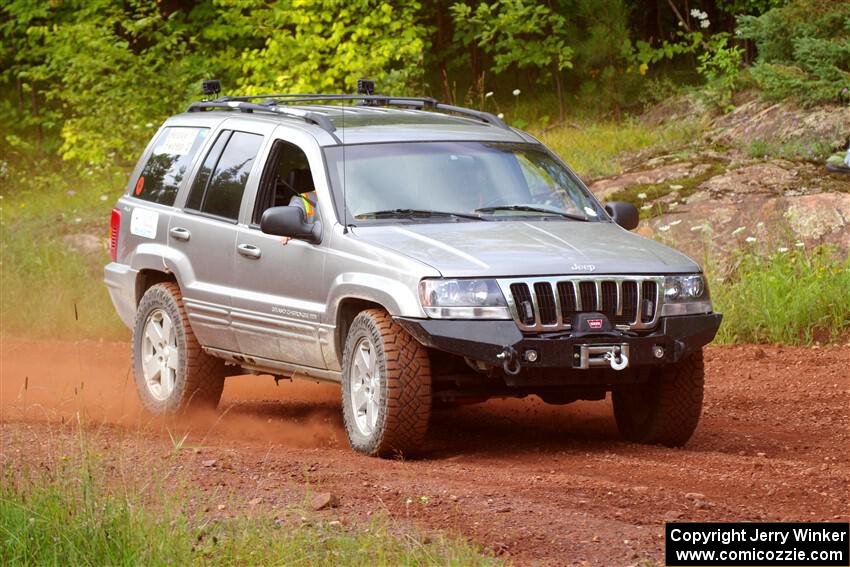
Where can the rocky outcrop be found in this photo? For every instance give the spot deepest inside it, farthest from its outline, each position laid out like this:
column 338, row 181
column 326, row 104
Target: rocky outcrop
column 782, row 123
column 763, row 206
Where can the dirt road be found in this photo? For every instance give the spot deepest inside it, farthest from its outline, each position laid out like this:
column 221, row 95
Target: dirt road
column 538, row 484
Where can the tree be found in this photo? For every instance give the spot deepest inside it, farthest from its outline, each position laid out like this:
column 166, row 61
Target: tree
column 523, row 33
column 326, row 45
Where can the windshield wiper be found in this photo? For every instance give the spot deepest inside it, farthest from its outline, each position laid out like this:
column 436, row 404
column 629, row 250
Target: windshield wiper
column 531, row 209
column 416, row 213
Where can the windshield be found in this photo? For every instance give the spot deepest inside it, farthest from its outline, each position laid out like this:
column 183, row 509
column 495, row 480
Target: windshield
column 457, row 181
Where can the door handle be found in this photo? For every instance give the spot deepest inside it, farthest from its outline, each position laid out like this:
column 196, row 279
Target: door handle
column 180, row 233
column 249, row 251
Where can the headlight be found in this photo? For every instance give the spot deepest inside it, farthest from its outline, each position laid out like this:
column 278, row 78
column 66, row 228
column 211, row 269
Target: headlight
column 463, row 299
column 684, row 295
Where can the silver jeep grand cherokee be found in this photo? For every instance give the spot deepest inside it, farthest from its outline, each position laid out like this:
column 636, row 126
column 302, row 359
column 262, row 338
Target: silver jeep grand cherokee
column 420, row 254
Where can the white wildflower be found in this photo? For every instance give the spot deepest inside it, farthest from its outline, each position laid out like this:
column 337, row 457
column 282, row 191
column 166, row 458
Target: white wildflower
column 782, row 249
column 500, row 115
column 750, row 239
column 738, row 230
column 695, row 13
column 704, row 24
column 703, row 15
column 103, row 197
column 675, row 222
column 516, row 92
column 641, row 195
column 149, row 125
column 78, row 219
column 488, row 94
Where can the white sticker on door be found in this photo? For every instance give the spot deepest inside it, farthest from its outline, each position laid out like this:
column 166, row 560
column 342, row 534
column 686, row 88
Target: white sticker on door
column 178, row 141
column 143, row 223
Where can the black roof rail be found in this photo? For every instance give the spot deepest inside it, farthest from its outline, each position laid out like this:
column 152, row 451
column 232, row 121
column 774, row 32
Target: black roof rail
column 319, row 120
column 275, row 102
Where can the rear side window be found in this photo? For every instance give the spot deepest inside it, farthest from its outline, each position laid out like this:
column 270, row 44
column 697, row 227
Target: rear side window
column 220, row 183
column 173, row 152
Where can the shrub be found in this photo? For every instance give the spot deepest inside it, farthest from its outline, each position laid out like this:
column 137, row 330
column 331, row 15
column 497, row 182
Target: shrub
column 803, row 50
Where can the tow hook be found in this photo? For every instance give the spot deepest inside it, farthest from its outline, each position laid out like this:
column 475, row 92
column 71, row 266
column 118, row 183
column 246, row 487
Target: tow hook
column 510, row 361
column 617, row 359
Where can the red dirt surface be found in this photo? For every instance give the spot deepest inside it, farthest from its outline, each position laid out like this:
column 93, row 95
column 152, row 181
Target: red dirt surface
column 534, row 483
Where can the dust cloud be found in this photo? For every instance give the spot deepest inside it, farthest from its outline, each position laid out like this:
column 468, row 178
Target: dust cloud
column 62, row 381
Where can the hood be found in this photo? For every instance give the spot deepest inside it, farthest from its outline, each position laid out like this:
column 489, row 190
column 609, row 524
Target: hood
column 520, row 248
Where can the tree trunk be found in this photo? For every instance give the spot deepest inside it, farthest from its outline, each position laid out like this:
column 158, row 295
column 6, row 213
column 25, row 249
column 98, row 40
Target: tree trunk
column 562, row 108
column 34, row 109
column 441, row 44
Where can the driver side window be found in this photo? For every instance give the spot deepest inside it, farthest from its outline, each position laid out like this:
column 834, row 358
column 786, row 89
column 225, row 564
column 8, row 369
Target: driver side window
column 287, row 181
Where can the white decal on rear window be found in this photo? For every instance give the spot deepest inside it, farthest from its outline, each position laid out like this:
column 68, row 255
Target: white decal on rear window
column 143, row 223
column 178, row 141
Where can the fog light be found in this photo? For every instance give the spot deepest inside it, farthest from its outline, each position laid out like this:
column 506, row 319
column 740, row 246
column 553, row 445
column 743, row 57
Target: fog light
column 658, row 351
column 531, row 355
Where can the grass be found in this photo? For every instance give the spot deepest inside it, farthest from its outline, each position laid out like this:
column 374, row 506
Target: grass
column 816, row 150
column 70, row 514
column 678, row 191
column 790, row 297
column 47, row 286
column 595, row 149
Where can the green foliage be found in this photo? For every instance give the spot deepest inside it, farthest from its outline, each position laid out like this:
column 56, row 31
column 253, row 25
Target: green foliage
column 516, row 32
column 719, row 61
column 790, row 297
column 720, row 65
column 804, row 50
column 325, row 46
column 603, row 54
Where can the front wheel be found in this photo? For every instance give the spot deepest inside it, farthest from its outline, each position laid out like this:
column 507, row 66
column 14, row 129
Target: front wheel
column 386, row 386
column 666, row 408
column 172, row 372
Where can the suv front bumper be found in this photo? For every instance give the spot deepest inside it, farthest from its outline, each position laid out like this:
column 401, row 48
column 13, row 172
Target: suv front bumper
column 487, row 341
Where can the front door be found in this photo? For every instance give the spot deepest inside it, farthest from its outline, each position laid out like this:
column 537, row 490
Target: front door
column 281, row 293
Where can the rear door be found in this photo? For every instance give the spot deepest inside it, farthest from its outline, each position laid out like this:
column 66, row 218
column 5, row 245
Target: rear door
column 205, row 233
column 281, row 291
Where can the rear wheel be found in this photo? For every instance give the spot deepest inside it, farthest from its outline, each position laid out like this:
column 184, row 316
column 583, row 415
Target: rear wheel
column 386, row 386
column 171, row 370
column 666, row 408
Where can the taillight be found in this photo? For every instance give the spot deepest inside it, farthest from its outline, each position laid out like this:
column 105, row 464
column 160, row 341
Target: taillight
column 114, row 230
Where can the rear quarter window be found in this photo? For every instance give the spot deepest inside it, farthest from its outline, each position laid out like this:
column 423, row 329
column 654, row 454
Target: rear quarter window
column 174, row 150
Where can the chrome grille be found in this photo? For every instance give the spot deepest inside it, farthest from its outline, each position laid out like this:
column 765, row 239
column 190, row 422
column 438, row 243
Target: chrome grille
column 549, row 303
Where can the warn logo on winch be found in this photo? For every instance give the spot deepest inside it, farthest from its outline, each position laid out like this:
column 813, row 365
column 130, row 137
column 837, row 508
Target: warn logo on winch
column 594, row 323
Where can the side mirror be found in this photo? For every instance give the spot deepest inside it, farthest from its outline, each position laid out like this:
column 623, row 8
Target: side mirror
column 624, row 214
column 291, row 222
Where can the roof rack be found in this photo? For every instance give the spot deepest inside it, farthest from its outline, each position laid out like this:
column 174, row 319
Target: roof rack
column 319, row 120
column 274, row 102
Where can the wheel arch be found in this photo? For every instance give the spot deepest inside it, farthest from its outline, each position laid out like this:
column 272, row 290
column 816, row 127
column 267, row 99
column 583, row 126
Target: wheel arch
column 148, row 277
column 347, row 310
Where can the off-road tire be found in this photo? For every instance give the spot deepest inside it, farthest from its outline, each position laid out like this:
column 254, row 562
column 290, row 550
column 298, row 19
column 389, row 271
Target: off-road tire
column 666, row 409
column 199, row 378
column 405, row 400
